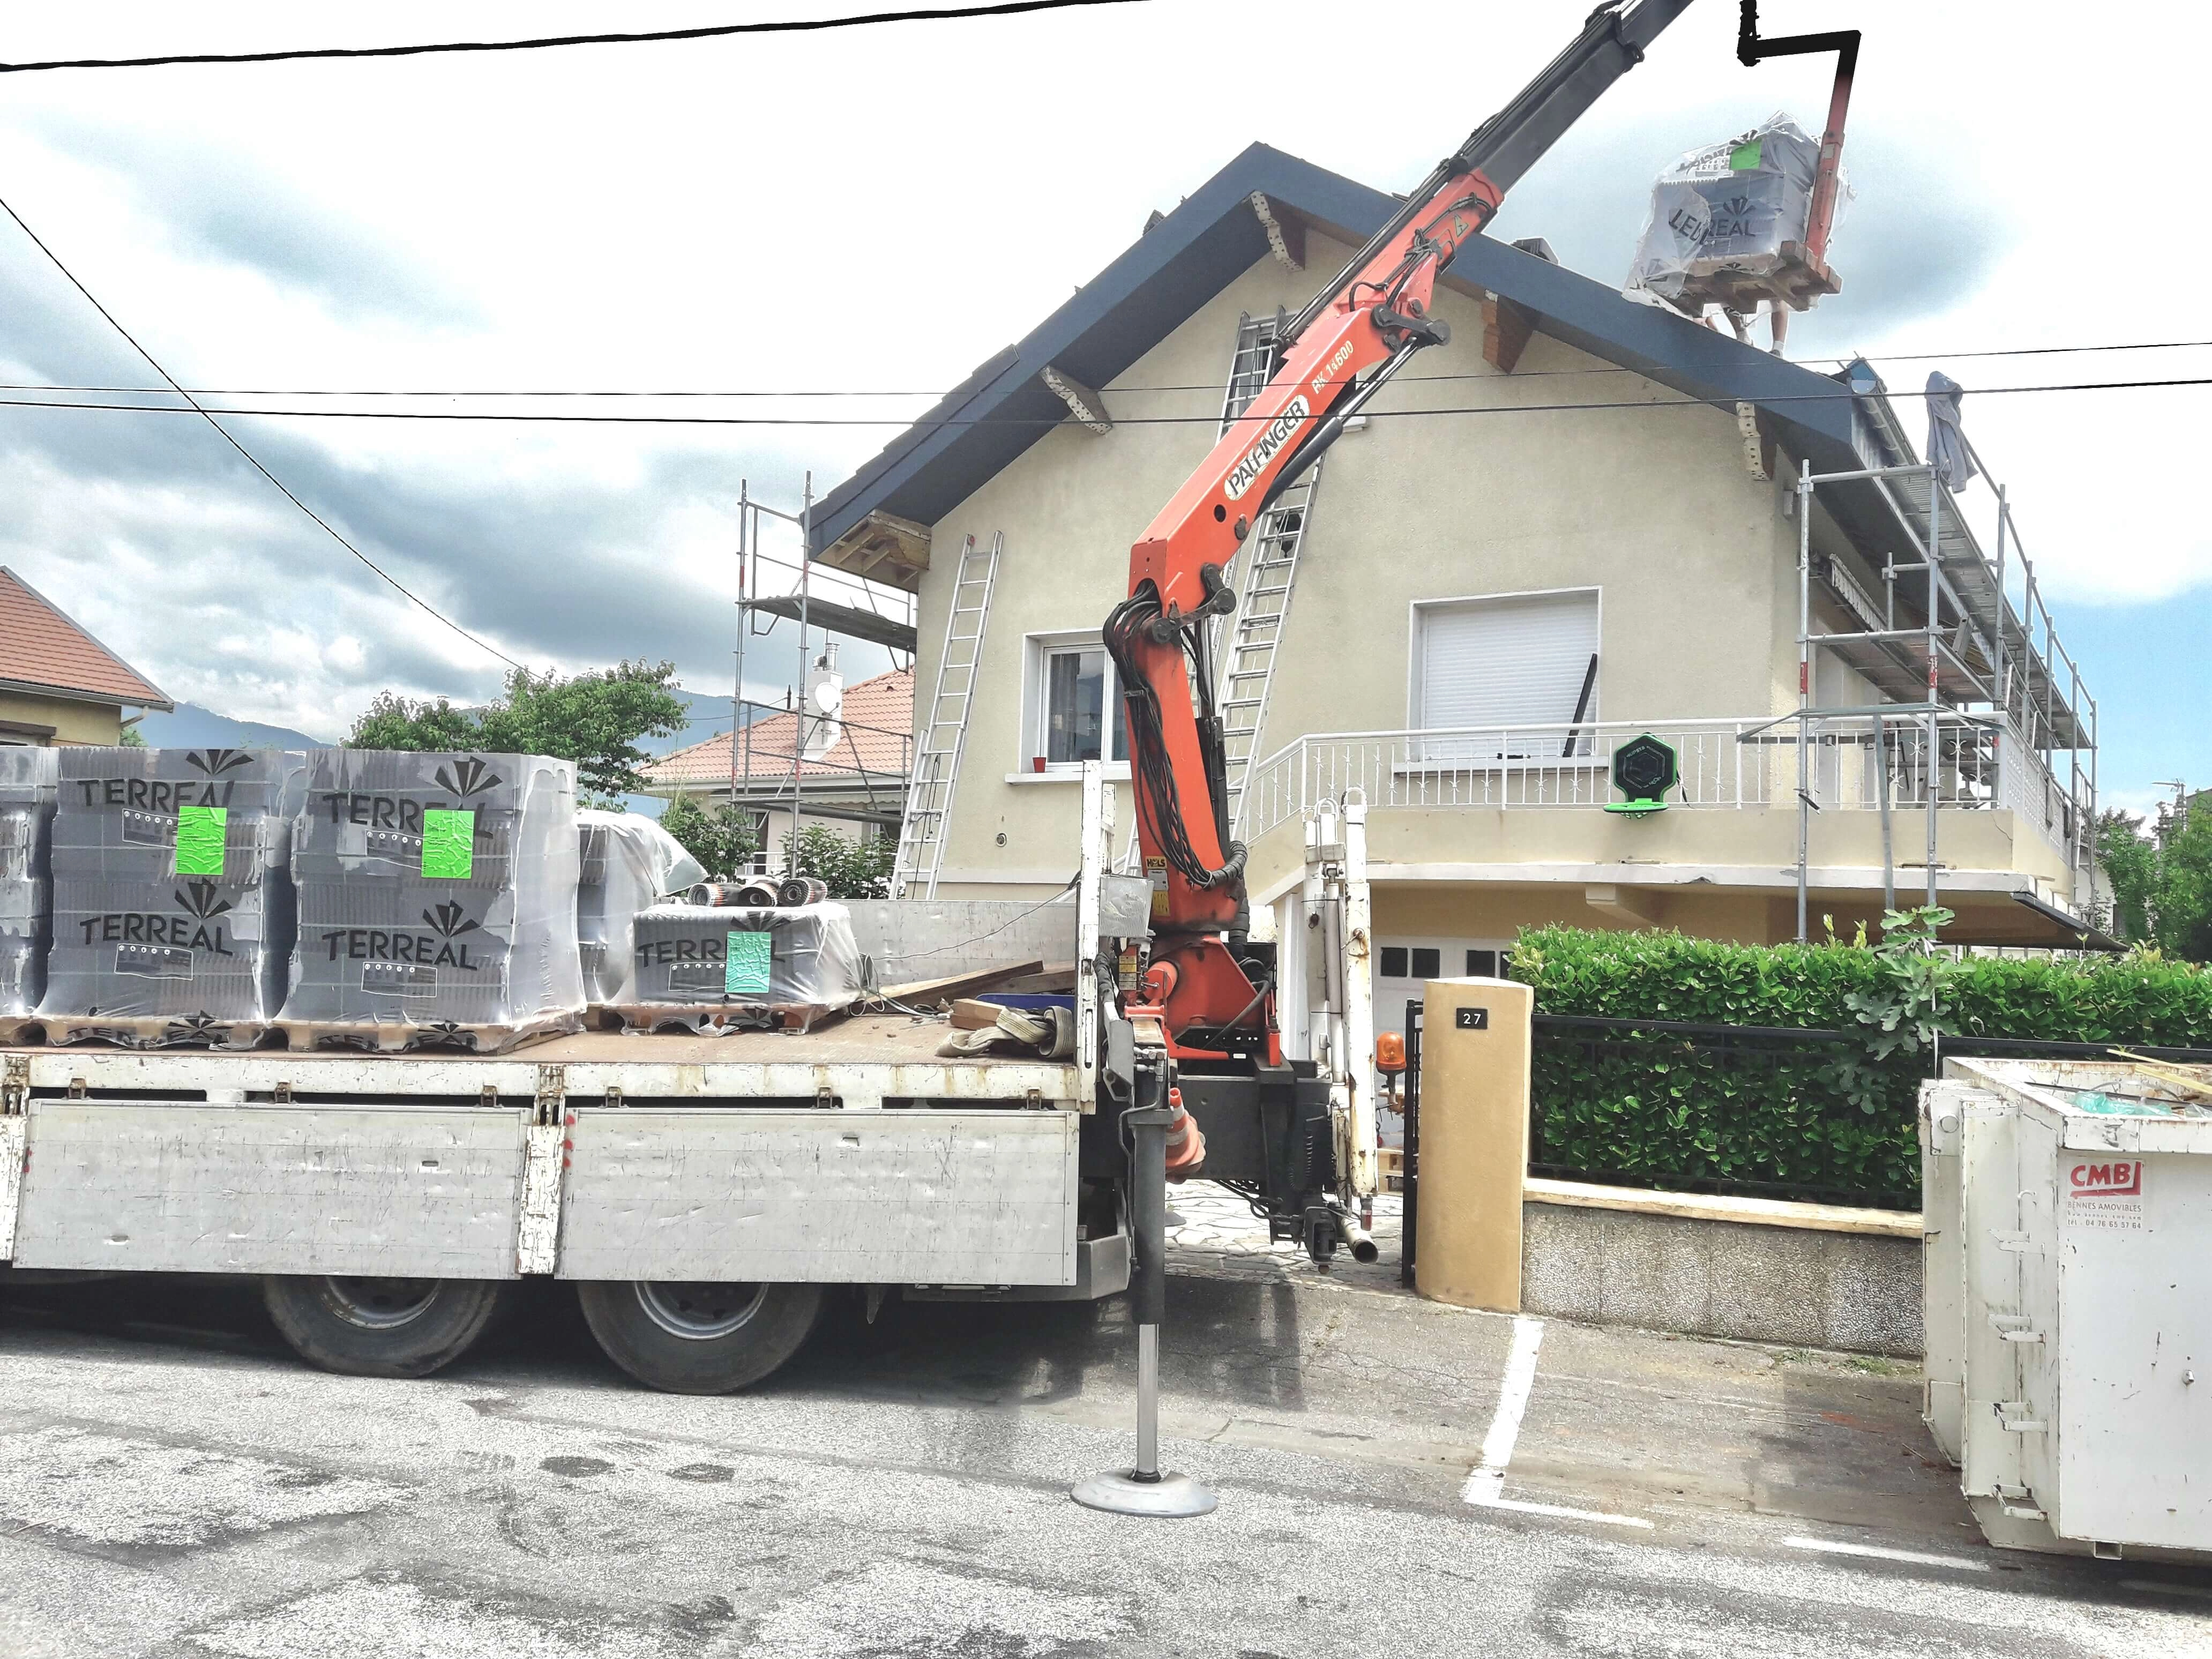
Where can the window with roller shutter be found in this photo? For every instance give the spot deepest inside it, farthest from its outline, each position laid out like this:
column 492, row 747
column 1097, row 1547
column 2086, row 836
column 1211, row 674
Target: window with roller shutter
column 1517, row 661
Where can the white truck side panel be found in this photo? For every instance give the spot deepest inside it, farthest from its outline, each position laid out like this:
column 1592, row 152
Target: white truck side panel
column 187, row 1187
column 890, row 1198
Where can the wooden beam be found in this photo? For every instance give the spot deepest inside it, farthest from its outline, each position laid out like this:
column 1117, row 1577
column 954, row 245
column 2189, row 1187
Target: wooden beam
column 1506, row 327
column 1286, row 234
column 1087, row 406
column 925, row 992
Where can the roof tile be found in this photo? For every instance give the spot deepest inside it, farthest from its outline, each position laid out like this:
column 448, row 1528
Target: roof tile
column 39, row 646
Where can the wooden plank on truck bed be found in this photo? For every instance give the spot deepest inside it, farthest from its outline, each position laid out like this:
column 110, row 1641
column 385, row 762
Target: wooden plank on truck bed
column 925, row 992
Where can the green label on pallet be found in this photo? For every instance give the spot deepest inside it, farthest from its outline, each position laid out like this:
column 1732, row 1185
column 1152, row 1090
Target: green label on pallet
column 200, row 831
column 449, row 844
column 744, row 964
column 1745, row 156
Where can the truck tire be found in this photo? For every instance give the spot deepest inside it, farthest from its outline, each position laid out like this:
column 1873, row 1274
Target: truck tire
column 699, row 1338
column 380, row 1327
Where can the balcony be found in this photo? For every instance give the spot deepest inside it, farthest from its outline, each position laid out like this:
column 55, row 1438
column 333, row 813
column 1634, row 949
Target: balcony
column 2002, row 808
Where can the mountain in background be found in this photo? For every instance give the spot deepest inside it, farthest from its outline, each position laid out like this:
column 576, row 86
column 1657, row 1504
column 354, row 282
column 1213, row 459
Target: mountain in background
column 190, row 726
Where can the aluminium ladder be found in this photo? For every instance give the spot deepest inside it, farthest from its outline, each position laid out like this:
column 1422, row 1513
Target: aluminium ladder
column 1245, row 675
column 936, row 763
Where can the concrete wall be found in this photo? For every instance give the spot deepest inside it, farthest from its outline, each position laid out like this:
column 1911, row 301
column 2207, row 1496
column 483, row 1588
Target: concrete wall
column 1799, row 1286
column 73, row 721
column 1652, row 505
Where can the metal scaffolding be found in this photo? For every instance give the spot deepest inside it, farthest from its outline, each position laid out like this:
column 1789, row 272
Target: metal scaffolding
column 1978, row 711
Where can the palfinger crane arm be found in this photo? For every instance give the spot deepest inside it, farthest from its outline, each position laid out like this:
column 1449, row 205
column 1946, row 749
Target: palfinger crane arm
column 1334, row 356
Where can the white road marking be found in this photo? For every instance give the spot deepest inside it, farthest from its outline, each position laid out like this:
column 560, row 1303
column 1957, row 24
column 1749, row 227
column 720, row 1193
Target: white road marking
column 1873, row 1551
column 1520, row 1507
column 1513, row 1389
column 1485, row 1483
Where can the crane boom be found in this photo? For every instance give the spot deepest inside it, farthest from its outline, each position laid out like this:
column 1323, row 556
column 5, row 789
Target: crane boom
column 1335, row 355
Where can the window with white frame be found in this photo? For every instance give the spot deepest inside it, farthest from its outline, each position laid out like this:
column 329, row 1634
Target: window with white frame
column 1521, row 669
column 1072, row 706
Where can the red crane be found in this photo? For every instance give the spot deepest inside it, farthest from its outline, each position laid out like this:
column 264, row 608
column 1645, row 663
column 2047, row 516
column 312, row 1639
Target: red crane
column 1351, row 339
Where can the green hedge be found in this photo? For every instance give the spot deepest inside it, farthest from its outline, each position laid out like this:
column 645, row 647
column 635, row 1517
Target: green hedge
column 1834, row 1121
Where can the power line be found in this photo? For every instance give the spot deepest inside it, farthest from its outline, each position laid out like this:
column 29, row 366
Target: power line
column 1119, row 390
column 250, row 458
column 784, row 25
column 1039, row 421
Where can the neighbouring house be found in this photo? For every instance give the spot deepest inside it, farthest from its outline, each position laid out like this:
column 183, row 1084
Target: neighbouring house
column 1575, row 524
column 57, row 684
column 843, row 762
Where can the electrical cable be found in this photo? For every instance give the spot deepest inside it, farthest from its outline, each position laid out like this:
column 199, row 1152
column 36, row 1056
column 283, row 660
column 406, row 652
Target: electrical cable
column 250, row 460
column 1523, row 374
column 1044, row 421
column 783, row 26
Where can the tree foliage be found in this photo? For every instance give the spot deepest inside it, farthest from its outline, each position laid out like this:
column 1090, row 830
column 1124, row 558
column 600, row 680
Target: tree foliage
column 2161, row 877
column 851, row 867
column 721, row 837
column 594, row 720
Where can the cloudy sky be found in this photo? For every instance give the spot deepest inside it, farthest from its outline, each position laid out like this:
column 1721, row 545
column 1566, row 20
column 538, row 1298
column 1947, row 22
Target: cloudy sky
column 877, row 211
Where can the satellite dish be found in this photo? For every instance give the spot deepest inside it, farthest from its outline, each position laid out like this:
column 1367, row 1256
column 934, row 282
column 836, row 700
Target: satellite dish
column 827, row 696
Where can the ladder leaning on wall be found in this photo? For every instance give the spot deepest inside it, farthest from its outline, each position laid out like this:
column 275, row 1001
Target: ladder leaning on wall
column 1262, row 571
column 944, row 736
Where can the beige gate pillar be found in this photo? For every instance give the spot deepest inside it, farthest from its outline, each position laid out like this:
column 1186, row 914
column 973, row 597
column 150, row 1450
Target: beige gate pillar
column 1474, row 1141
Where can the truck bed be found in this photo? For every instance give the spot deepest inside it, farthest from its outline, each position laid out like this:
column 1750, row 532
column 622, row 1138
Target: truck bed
column 857, row 1063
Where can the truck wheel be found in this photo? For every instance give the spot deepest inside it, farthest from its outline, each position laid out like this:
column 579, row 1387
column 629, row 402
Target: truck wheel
column 380, row 1327
column 695, row 1338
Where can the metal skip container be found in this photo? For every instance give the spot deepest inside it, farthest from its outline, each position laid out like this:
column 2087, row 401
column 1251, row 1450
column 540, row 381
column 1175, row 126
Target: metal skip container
column 2068, row 1213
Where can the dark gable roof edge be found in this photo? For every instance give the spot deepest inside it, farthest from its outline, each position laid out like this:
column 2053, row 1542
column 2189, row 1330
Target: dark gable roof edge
column 1210, row 240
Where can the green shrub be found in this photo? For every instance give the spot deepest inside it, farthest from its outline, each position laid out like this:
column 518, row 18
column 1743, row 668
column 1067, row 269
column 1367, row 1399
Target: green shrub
column 1814, row 1120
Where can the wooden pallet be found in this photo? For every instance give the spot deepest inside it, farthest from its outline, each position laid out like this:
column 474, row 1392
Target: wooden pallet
column 1796, row 280
column 392, row 1038
column 138, row 1031
column 717, row 1019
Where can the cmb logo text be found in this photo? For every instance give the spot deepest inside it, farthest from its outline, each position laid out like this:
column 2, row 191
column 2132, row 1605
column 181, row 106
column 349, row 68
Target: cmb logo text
column 2119, row 1179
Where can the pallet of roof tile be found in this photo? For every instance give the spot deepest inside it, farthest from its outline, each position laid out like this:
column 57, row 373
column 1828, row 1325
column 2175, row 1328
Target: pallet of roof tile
column 147, row 1030
column 396, row 1037
column 1795, row 278
column 720, row 1018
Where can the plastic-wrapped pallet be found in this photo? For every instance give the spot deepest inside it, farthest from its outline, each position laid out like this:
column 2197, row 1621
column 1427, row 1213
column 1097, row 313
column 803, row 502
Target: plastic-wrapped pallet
column 626, row 863
column 1727, row 207
column 437, row 901
column 744, row 967
column 173, row 910
column 27, row 817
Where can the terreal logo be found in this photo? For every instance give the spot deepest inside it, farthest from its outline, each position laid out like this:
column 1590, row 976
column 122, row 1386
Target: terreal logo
column 2120, row 1178
column 1280, row 431
column 216, row 761
column 450, row 919
column 467, row 777
column 200, row 899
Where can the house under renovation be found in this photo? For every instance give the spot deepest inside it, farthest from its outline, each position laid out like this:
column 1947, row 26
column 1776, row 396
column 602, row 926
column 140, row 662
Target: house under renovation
column 1586, row 522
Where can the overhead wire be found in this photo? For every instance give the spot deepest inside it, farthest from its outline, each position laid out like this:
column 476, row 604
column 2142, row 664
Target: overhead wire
column 251, row 459
column 1041, row 421
column 1119, row 390
column 780, row 26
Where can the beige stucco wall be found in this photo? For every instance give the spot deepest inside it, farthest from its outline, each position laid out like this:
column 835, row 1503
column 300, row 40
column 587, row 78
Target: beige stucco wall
column 73, row 722
column 1654, row 506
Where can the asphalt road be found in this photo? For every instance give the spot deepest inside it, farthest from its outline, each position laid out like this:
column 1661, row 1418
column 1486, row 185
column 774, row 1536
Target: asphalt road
column 173, row 1483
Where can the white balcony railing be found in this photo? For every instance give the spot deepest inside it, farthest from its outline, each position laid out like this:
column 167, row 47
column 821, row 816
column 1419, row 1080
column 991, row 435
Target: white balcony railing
column 1724, row 763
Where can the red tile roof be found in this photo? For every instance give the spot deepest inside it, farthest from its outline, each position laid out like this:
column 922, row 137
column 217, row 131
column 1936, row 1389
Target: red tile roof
column 40, row 647
column 877, row 715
